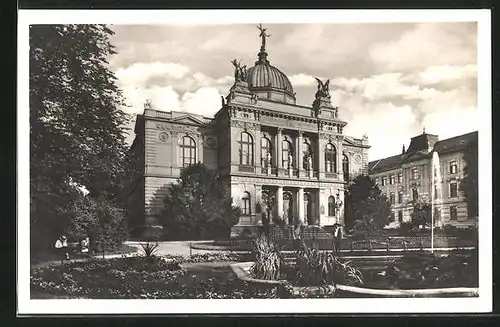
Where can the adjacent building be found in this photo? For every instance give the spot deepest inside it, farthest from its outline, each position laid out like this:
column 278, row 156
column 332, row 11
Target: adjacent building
column 406, row 178
column 262, row 143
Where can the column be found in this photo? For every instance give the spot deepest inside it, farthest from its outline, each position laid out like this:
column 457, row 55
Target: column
column 320, row 148
column 299, row 153
column 199, row 156
column 279, row 137
column 279, row 202
column 174, row 140
column 300, row 202
column 340, row 156
column 257, row 152
column 258, row 206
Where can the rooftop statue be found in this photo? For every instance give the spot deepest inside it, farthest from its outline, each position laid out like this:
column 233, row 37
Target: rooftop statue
column 323, row 89
column 263, row 35
column 240, row 72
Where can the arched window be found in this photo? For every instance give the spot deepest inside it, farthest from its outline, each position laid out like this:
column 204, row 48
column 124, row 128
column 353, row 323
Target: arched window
column 345, row 167
column 188, row 151
column 330, row 158
column 306, row 151
column 265, row 146
column 246, row 210
column 331, row 206
column 246, row 149
column 286, row 151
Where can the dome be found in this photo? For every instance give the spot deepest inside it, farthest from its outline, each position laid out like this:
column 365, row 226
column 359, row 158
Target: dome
column 268, row 81
column 265, row 77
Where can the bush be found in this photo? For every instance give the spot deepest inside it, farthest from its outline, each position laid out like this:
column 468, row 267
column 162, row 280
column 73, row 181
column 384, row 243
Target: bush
column 315, row 268
column 427, row 270
column 268, row 259
column 101, row 220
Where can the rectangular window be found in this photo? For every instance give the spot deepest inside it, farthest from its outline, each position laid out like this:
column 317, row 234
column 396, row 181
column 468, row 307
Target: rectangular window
column 392, row 198
column 414, row 173
column 384, row 181
column 392, row 179
column 400, row 197
column 453, row 213
column 415, row 194
column 453, row 190
column 453, row 167
column 400, row 216
column 392, row 217
column 400, row 178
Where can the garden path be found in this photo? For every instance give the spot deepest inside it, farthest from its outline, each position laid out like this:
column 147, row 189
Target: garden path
column 174, row 247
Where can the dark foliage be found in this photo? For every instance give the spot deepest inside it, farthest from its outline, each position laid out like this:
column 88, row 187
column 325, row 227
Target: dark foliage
column 426, row 270
column 368, row 208
column 198, row 206
column 469, row 184
column 76, row 124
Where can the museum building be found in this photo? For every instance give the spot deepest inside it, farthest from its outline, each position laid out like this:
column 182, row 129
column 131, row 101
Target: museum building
column 262, row 143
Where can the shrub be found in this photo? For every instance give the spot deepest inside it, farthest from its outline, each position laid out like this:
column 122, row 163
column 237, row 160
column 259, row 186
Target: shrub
column 150, row 249
column 268, row 259
column 315, row 268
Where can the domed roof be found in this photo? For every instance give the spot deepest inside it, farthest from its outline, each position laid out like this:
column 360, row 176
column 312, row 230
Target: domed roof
column 265, row 79
column 263, row 76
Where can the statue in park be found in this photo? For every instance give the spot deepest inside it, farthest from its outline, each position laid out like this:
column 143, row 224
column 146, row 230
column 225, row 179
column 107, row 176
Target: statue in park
column 338, row 204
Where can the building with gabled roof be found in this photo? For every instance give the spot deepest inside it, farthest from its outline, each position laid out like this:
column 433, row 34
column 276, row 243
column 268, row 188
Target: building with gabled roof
column 406, row 178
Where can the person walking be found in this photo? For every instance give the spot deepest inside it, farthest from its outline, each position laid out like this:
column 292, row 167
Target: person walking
column 337, row 236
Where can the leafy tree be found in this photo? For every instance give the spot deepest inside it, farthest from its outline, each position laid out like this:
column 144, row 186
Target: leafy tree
column 368, row 208
column 76, row 124
column 469, row 183
column 100, row 219
column 421, row 214
column 198, row 205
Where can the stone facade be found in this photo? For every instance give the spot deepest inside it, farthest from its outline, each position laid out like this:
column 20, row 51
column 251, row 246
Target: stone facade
column 262, row 143
column 407, row 178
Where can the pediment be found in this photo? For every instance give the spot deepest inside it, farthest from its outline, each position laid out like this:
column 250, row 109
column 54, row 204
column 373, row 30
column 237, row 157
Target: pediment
column 349, row 141
column 188, row 120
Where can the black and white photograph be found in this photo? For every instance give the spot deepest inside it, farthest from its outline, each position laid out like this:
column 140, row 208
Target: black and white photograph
column 292, row 161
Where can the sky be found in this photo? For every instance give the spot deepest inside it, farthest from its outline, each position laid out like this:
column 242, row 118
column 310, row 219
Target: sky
column 389, row 80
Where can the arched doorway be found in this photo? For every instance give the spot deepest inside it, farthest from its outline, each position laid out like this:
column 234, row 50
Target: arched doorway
column 308, row 205
column 287, row 208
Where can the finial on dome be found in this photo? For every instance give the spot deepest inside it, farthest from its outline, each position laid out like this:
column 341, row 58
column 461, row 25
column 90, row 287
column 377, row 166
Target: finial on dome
column 262, row 54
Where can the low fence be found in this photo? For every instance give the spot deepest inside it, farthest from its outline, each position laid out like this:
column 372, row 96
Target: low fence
column 320, row 239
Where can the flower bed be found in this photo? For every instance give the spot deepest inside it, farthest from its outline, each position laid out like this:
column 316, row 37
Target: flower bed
column 141, row 277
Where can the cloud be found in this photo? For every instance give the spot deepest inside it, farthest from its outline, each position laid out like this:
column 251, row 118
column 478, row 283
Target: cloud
column 302, row 80
column 389, row 80
column 428, row 44
column 140, row 72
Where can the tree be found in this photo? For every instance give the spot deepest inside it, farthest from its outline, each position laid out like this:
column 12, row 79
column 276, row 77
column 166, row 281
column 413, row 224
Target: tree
column 469, row 184
column 99, row 219
column 76, row 122
column 198, row 205
column 421, row 214
column 368, row 208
